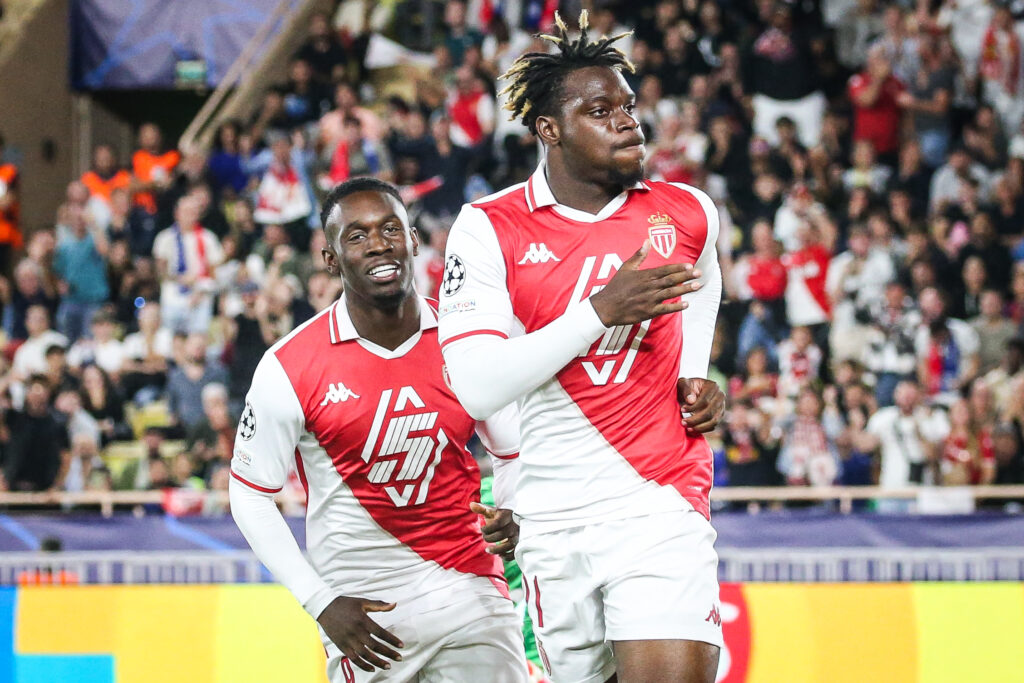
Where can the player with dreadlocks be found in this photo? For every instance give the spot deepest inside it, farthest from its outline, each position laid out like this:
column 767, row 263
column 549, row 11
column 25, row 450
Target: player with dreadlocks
column 589, row 296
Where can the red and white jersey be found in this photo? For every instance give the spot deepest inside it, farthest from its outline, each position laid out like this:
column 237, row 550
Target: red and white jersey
column 807, row 300
column 602, row 439
column 379, row 441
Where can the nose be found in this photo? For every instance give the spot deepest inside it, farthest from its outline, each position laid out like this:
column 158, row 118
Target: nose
column 377, row 243
column 624, row 121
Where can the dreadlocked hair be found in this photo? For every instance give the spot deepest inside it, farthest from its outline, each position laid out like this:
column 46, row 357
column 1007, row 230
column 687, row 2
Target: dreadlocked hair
column 535, row 78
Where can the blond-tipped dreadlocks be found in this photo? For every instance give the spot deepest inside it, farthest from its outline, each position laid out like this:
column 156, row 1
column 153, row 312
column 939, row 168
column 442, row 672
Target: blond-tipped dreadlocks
column 536, row 78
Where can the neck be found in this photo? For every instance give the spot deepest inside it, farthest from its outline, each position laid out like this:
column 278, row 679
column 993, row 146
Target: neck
column 386, row 326
column 572, row 190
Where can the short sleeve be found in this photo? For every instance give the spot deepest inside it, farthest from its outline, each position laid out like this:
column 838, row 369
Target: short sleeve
column 269, row 429
column 474, row 296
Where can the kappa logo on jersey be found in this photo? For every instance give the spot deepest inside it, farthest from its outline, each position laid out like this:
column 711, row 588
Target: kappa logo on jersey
column 338, row 393
column 662, row 234
column 538, row 253
column 614, row 370
column 406, row 479
column 247, row 423
column 454, row 275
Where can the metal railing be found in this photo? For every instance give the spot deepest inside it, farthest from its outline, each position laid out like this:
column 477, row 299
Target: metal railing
column 736, row 565
column 843, row 496
column 248, row 76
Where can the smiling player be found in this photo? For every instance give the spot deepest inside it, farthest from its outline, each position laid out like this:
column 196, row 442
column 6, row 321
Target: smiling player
column 357, row 401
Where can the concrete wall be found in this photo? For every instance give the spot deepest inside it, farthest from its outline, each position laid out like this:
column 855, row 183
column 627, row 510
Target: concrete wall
column 36, row 111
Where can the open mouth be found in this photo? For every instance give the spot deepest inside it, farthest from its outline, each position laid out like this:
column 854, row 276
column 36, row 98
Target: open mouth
column 387, row 272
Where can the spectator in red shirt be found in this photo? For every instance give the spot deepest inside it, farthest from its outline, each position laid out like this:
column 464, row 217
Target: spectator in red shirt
column 764, row 278
column 876, row 114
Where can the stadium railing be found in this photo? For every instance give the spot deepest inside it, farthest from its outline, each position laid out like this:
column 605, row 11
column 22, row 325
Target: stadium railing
column 843, row 496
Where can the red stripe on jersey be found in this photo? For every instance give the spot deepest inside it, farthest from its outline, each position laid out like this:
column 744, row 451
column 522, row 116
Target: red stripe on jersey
column 252, row 485
column 510, row 456
column 302, row 473
column 473, row 333
column 396, row 434
column 536, row 597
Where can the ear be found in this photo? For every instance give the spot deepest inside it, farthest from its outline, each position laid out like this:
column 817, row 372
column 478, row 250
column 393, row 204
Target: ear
column 547, row 130
column 330, row 260
column 414, row 234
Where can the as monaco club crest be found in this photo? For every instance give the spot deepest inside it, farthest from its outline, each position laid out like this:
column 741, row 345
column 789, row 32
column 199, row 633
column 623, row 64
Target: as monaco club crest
column 662, row 234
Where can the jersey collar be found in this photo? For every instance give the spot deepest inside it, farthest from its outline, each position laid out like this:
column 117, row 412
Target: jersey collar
column 342, row 329
column 539, row 195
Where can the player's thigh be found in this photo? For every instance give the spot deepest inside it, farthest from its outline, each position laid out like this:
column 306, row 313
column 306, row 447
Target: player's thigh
column 487, row 648
column 661, row 580
column 420, row 643
column 564, row 602
column 665, row 661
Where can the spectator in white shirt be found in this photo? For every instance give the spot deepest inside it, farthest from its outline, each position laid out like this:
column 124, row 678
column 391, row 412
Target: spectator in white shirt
column 103, row 349
column 30, row 358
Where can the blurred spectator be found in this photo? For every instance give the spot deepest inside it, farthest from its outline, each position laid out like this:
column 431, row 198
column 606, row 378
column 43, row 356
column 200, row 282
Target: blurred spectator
column 284, row 195
column 354, row 155
column 899, row 47
column 186, row 254
column 346, row 105
column 946, row 348
column 876, row 113
column 152, row 166
column 889, row 351
column 226, row 160
column 10, row 211
column 459, row 36
column 806, row 272
column 1000, row 68
column 249, row 335
column 799, row 363
column 967, row 456
column 146, row 354
column 103, row 401
column 101, row 348
column 106, row 175
column 471, row 110
column 856, row 284
column 83, row 459
column 57, row 372
column 35, row 443
column 305, row 99
column 79, row 263
column 856, row 31
column 1009, row 375
column 927, row 100
column 212, row 438
column 808, row 455
column 1009, row 454
column 30, row 358
column 324, row 53
column 906, row 435
column 186, row 381
column 751, row 446
column 756, row 382
column 31, row 288
column 780, row 74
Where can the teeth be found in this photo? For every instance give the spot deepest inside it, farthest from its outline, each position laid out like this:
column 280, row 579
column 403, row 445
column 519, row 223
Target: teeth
column 383, row 270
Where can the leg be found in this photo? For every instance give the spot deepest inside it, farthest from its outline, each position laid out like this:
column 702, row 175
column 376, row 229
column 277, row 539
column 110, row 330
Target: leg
column 668, row 661
column 564, row 602
column 661, row 603
column 488, row 647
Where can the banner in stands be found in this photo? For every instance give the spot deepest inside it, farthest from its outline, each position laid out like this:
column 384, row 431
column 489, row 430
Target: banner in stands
column 257, row 633
column 128, row 44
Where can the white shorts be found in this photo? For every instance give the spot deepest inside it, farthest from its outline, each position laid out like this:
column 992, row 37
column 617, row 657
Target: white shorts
column 468, row 637
column 642, row 578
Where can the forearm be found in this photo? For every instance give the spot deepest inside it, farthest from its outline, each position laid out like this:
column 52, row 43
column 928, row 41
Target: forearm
column 270, row 538
column 489, row 372
column 699, row 325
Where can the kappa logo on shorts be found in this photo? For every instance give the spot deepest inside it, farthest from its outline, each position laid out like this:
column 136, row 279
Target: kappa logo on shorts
column 247, row 423
column 714, row 616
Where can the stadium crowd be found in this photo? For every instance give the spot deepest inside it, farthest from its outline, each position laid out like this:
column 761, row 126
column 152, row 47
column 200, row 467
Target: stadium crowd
column 867, row 159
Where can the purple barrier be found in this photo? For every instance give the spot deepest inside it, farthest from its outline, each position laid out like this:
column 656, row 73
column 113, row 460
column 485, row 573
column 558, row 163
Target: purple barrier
column 735, row 530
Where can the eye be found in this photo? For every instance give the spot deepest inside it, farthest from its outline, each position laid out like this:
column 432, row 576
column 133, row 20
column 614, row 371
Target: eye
column 598, row 112
column 630, row 108
column 355, row 236
column 392, row 228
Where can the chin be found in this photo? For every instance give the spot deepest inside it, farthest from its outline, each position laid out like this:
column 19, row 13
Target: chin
column 629, row 176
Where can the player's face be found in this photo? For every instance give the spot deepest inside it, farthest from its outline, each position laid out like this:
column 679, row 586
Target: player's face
column 598, row 130
column 371, row 246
